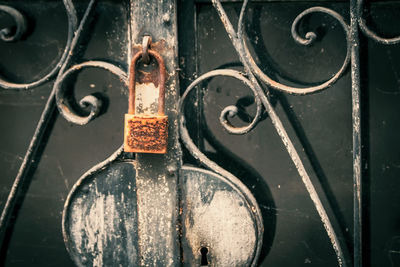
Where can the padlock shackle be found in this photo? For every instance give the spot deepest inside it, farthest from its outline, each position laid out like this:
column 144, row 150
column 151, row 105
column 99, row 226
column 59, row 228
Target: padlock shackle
column 161, row 82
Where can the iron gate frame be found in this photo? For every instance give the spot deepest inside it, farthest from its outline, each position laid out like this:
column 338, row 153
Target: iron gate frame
column 258, row 81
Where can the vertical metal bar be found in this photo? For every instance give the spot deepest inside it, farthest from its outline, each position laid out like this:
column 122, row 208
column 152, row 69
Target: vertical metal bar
column 356, row 117
column 188, row 50
column 157, row 175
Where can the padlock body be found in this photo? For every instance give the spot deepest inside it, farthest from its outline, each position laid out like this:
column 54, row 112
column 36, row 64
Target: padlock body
column 146, row 133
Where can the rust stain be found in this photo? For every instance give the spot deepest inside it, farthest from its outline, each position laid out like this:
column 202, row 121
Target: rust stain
column 152, row 76
column 157, row 79
column 146, row 134
column 160, row 47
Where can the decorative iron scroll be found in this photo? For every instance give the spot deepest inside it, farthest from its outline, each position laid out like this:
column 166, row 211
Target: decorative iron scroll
column 252, row 77
column 369, row 33
column 253, row 74
column 6, row 34
column 62, row 70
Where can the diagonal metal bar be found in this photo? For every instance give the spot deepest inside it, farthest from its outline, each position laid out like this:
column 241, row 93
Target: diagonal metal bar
column 239, row 47
column 37, row 138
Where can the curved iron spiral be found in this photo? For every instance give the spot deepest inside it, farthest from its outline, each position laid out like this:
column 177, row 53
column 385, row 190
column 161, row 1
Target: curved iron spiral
column 368, row 32
column 72, row 27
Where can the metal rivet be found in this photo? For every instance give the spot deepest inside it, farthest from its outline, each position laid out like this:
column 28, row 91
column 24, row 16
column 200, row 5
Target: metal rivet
column 166, row 18
column 171, row 169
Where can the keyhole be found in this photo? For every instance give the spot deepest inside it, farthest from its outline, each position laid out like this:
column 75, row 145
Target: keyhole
column 204, row 252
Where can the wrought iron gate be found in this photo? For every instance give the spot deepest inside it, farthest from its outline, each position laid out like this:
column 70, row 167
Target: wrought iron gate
column 315, row 92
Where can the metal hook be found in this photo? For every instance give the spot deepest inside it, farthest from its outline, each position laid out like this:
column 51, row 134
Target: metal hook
column 145, row 49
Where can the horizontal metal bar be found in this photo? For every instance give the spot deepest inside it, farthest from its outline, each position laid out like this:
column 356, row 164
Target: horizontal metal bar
column 268, row 1
column 298, row 1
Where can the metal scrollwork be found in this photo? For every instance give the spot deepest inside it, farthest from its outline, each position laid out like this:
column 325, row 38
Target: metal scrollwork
column 6, row 34
column 21, row 25
column 252, row 77
column 309, row 38
column 88, row 101
column 62, row 70
column 252, row 72
column 230, row 111
column 226, row 112
column 368, row 32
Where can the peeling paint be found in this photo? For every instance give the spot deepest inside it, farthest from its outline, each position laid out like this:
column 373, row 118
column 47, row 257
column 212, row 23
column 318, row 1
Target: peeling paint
column 146, row 98
column 218, row 217
column 100, row 224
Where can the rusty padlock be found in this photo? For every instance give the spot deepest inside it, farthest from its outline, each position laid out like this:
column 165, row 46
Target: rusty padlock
column 146, row 133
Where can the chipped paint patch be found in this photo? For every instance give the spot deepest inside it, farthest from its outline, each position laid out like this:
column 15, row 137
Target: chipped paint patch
column 146, row 98
column 156, row 216
column 216, row 216
column 101, row 218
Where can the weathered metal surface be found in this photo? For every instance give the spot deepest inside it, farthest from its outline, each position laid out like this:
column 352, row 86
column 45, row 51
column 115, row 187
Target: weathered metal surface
column 146, row 132
column 156, row 77
column 142, row 195
column 156, row 175
column 43, row 123
column 205, row 161
column 237, row 39
column 100, row 215
column 356, row 121
column 219, row 224
column 94, row 104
